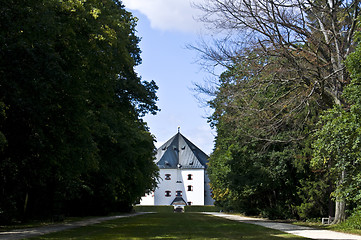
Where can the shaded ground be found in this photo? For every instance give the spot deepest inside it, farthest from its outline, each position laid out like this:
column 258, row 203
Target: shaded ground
column 32, row 232
column 290, row 228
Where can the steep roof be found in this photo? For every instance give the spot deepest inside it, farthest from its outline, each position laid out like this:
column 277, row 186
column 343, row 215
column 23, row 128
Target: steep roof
column 178, row 201
column 179, row 150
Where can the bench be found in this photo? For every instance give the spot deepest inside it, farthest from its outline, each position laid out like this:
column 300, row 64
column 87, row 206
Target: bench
column 327, row 220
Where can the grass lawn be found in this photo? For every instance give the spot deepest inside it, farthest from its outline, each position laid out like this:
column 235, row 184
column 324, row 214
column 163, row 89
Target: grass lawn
column 341, row 227
column 170, row 226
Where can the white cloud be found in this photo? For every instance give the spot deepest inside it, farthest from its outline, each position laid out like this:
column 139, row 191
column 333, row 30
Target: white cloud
column 176, row 15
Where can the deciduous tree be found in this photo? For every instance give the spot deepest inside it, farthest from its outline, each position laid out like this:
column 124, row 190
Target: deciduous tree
column 301, row 45
column 74, row 104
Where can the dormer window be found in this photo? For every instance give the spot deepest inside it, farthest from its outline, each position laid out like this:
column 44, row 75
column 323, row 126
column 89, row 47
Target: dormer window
column 167, row 177
column 167, row 193
column 178, row 193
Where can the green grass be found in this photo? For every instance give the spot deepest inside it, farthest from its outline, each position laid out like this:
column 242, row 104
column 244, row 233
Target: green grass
column 170, row 226
column 344, row 228
column 341, row 227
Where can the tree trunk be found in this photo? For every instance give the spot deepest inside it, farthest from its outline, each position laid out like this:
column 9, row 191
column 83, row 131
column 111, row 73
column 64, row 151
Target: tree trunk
column 340, row 214
column 340, row 210
column 25, row 206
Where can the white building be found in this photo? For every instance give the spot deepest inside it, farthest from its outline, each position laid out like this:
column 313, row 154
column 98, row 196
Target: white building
column 183, row 177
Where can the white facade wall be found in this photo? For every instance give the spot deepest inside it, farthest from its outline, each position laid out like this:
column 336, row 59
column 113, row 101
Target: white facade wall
column 196, row 196
column 168, row 185
column 148, row 199
column 200, row 193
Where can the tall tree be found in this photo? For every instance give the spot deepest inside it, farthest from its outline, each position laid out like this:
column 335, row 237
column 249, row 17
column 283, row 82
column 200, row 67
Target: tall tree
column 306, row 42
column 311, row 38
column 337, row 146
column 73, row 106
column 254, row 168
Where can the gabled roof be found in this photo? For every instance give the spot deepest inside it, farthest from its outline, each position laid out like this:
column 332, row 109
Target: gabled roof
column 179, row 150
column 178, row 201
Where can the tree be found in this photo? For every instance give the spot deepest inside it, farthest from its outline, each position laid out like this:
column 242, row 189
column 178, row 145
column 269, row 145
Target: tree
column 73, row 108
column 255, row 167
column 2, row 118
column 311, row 38
column 305, row 43
column 337, row 146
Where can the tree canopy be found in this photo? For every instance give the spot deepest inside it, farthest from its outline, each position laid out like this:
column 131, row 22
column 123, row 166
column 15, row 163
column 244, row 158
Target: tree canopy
column 285, row 66
column 72, row 140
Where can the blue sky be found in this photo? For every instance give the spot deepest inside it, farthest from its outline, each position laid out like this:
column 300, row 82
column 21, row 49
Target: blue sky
column 166, row 27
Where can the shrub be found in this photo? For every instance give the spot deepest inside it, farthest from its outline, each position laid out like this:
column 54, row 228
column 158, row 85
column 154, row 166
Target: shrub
column 158, row 209
column 354, row 221
column 201, row 209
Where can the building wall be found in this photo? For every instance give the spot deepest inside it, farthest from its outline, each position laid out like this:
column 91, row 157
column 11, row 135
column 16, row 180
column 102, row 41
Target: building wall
column 148, row 199
column 198, row 194
column 208, row 200
column 168, row 185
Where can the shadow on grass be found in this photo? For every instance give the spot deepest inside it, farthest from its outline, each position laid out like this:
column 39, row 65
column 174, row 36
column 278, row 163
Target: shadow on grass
column 170, row 226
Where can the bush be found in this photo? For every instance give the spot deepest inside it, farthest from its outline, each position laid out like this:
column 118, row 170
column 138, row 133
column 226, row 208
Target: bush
column 276, row 212
column 201, row 209
column 354, row 222
column 158, row 209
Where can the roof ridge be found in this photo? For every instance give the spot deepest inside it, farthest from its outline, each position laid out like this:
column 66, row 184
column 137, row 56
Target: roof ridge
column 180, row 150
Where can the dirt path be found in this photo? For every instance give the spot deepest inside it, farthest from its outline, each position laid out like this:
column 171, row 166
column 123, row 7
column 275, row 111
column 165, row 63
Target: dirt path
column 302, row 231
column 32, row 232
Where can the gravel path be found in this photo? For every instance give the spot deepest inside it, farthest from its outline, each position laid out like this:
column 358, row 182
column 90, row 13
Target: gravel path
column 302, row 231
column 32, row 232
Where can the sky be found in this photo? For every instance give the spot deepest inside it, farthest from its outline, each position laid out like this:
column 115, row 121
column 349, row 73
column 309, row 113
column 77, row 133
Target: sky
column 166, row 27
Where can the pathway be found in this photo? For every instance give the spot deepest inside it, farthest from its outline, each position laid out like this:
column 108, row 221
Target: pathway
column 302, row 231
column 32, row 232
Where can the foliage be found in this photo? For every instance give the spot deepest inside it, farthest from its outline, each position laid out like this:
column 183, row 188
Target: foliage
column 314, row 195
column 255, row 167
column 285, row 64
column 309, row 40
column 354, row 221
column 2, row 119
column 201, row 209
column 337, row 146
column 75, row 140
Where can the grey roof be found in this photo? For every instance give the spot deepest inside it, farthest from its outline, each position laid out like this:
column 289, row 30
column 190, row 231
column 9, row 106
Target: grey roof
column 178, row 201
column 179, row 150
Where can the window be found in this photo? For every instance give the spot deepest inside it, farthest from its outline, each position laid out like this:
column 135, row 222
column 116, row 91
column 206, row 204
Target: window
column 190, row 177
column 167, row 177
column 167, row 193
column 178, row 193
column 189, row 203
column 190, row 188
